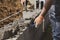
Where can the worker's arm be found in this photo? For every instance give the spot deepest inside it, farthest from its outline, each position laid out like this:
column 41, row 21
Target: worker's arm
column 45, row 9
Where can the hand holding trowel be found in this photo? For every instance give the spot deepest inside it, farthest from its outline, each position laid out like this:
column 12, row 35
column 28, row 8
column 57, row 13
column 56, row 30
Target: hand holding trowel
column 38, row 21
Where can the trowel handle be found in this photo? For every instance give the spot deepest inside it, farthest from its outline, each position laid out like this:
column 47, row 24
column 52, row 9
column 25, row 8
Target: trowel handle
column 35, row 25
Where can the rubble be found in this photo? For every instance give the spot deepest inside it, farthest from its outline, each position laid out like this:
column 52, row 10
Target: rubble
column 13, row 30
column 9, row 7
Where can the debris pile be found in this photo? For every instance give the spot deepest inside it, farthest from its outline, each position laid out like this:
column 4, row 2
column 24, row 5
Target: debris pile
column 13, row 30
column 9, row 7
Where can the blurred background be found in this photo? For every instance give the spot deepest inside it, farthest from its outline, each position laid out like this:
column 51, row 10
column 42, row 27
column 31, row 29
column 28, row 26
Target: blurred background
column 17, row 20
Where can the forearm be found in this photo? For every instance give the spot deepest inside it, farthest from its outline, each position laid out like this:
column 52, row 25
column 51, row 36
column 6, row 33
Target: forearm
column 46, row 7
